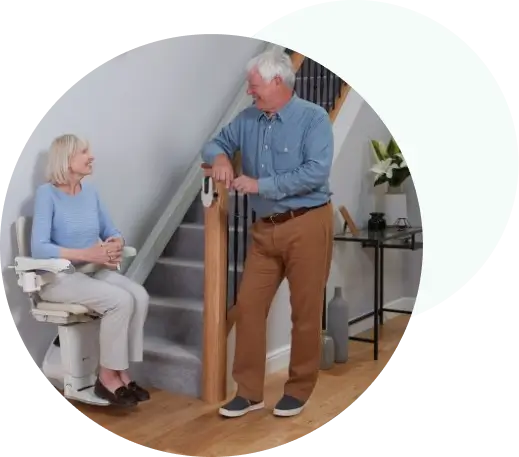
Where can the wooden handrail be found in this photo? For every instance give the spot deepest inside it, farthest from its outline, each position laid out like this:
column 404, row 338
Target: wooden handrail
column 218, row 322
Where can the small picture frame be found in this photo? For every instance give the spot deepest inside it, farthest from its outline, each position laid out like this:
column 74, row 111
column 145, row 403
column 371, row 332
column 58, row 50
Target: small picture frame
column 348, row 221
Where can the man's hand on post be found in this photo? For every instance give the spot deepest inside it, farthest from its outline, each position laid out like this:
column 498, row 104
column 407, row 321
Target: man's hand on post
column 222, row 170
column 246, row 185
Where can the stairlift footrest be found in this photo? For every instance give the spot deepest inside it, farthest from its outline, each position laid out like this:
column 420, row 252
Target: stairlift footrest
column 85, row 396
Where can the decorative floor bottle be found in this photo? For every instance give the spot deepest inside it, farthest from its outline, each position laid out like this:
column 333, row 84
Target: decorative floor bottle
column 338, row 325
column 327, row 351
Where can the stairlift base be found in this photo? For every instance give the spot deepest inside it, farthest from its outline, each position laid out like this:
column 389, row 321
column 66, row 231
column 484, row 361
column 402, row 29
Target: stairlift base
column 73, row 364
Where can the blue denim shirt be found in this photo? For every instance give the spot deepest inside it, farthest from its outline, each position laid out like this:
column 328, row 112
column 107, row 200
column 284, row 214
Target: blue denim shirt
column 289, row 154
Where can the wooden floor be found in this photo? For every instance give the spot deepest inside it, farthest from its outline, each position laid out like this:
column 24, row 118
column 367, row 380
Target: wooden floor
column 187, row 426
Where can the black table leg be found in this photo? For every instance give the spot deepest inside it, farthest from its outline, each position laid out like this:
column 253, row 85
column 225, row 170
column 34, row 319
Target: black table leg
column 323, row 322
column 376, row 297
column 381, row 285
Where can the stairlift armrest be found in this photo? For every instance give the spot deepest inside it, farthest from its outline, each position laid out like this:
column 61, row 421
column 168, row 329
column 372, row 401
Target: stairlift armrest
column 29, row 264
column 28, row 271
column 129, row 251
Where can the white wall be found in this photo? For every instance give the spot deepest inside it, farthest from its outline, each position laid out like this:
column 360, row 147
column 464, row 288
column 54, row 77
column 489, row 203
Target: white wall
column 352, row 266
column 146, row 114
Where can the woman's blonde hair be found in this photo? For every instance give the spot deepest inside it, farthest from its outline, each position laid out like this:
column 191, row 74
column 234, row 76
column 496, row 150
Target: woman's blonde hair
column 62, row 149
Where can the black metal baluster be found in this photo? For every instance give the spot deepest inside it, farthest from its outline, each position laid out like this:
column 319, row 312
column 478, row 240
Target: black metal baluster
column 328, row 98
column 334, row 85
column 321, row 91
column 307, row 79
column 253, row 216
column 315, row 83
column 245, row 219
column 236, row 220
column 227, row 267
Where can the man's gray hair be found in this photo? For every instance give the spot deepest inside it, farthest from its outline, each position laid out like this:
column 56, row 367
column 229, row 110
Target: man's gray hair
column 270, row 64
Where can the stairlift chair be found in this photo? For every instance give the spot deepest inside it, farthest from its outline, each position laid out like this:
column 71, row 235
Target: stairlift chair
column 72, row 360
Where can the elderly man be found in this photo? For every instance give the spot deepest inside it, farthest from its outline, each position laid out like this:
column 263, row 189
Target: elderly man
column 287, row 151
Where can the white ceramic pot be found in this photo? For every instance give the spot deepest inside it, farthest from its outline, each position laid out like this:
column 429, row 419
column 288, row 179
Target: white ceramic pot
column 395, row 207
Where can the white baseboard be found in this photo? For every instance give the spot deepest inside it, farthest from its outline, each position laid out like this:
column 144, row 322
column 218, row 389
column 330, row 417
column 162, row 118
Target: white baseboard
column 279, row 359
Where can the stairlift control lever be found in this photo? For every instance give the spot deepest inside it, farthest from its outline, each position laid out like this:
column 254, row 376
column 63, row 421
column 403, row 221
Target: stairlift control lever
column 208, row 193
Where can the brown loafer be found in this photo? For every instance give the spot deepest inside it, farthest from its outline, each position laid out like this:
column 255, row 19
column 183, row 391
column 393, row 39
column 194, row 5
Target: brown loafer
column 138, row 392
column 121, row 397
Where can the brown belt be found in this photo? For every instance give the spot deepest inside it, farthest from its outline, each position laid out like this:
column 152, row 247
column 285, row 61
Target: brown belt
column 279, row 218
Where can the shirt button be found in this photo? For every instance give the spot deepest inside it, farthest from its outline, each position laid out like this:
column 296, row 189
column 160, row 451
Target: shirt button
column 266, row 147
column 262, row 166
column 270, row 127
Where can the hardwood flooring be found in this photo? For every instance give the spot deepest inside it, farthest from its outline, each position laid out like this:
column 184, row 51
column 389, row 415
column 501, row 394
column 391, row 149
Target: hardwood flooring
column 187, row 426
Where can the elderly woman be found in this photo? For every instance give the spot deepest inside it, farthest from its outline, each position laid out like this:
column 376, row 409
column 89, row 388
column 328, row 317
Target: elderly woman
column 70, row 222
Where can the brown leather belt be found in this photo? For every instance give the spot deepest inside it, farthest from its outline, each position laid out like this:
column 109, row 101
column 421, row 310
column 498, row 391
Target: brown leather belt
column 279, row 218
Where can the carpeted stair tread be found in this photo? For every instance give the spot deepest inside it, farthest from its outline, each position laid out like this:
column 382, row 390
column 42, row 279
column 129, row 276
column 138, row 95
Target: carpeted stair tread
column 177, row 303
column 199, row 226
column 190, row 263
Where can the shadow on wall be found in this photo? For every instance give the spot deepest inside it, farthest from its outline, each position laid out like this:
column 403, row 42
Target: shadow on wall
column 17, row 300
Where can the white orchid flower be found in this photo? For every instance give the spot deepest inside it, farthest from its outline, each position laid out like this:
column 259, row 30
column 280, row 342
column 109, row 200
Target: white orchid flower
column 385, row 167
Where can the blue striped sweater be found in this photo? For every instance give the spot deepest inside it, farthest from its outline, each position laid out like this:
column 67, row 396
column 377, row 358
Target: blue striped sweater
column 68, row 221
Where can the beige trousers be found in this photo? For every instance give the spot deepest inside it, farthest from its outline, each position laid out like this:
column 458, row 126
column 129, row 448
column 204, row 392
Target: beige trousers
column 122, row 303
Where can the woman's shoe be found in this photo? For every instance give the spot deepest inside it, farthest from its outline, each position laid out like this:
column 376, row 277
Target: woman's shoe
column 138, row 392
column 122, row 396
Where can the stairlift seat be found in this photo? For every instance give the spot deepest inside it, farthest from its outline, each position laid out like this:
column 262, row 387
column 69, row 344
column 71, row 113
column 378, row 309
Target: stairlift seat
column 69, row 308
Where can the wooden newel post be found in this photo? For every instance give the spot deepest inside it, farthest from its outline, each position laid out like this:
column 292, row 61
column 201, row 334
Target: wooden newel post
column 215, row 297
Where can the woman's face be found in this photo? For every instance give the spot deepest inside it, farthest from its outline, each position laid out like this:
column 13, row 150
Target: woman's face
column 81, row 163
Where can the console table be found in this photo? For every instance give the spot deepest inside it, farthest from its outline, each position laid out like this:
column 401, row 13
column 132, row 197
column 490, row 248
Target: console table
column 391, row 238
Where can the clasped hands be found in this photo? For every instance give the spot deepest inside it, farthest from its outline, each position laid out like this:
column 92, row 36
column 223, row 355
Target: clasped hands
column 110, row 252
column 222, row 171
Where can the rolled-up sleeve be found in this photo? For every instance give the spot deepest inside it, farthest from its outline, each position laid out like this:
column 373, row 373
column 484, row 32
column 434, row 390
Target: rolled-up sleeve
column 226, row 141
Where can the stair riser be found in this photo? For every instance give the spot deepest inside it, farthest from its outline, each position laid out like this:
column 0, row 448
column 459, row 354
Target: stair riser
column 180, row 326
column 178, row 377
column 189, row 243
column 180, row 281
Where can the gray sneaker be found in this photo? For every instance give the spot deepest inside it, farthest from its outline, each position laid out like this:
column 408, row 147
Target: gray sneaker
column 240, row 406
column 288, row 406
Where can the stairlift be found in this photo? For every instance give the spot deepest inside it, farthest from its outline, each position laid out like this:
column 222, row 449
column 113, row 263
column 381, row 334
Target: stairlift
column 72, row 360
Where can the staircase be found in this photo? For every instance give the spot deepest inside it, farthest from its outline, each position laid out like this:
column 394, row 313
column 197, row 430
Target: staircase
column 174, row 329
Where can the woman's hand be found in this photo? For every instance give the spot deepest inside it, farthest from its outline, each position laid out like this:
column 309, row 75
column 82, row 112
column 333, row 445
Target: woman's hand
column 115, row 241
column 98, row 254
column 115, row 250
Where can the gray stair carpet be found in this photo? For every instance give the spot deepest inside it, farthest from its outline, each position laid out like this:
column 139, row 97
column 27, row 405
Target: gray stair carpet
column 173, row 332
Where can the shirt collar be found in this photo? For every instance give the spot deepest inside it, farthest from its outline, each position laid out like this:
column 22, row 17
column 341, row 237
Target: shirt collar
column 284, row 113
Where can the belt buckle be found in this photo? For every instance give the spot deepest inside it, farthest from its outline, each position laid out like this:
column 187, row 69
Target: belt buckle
column 272, row 216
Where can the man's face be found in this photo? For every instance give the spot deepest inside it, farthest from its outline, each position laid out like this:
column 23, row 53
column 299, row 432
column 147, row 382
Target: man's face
column 264, row 94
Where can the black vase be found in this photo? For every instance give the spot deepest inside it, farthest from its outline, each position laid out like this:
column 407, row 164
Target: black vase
column 376, row 222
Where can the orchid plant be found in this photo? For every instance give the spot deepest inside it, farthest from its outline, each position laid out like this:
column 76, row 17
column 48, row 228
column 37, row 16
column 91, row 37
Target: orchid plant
column 390, row 165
